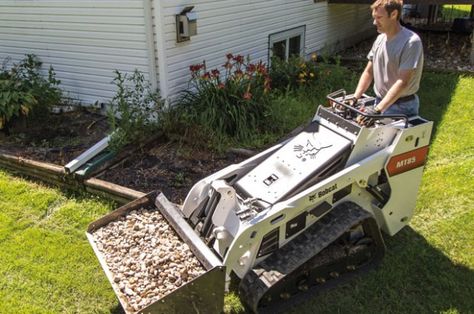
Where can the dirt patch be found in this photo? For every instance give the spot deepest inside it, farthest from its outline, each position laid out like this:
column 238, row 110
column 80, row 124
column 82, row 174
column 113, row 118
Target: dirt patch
column 442, row 50
column 161, row 165
column 58, row 139
column 169, row 167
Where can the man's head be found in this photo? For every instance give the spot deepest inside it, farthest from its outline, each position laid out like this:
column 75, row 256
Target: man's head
column 386, row 14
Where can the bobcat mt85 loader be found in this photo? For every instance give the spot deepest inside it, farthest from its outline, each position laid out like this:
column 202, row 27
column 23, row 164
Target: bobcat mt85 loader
column 298, row 216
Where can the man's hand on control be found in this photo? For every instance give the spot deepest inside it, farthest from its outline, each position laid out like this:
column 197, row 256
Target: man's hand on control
column 352, row 101
column 349, row 101
column 366, row 121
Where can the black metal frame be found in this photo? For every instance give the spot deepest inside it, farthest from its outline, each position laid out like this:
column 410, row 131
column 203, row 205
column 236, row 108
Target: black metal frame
column 342, row 92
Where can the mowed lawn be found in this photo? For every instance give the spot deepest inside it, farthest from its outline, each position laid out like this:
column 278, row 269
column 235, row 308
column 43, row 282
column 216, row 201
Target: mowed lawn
column 47, row 265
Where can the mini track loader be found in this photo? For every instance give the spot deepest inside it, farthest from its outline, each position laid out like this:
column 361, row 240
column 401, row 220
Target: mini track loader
column 297, row 216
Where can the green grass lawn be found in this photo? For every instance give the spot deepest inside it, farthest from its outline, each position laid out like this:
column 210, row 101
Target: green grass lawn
column 47, row 265
column 452, row 11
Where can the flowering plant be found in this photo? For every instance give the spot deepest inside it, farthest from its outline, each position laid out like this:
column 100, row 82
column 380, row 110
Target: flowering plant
column 232, row 100
column 294, row 73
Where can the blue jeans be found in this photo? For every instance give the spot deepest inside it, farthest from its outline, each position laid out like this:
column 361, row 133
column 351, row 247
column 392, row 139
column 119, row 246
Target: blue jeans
column 409, row 108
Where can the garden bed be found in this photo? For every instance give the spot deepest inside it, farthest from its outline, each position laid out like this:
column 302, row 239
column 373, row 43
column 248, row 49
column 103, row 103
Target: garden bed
column 160, row 165
column 58, row 139
column 168, row 167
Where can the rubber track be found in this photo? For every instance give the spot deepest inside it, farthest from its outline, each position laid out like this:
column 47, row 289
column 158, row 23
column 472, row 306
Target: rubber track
column 313, row 240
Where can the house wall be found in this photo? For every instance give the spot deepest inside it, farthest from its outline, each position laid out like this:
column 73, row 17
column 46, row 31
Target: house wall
column 243, row 27
column 85, row 40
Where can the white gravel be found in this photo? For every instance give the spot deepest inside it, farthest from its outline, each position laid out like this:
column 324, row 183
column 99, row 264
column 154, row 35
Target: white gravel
column 146, row 257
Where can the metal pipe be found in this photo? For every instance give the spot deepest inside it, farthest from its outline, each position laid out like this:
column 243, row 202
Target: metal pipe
column 87, row 155
column 150, row 41
column 159, row 28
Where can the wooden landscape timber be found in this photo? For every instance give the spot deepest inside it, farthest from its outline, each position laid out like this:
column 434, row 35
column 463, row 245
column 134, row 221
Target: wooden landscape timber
column 55, row 175
column 111, row 191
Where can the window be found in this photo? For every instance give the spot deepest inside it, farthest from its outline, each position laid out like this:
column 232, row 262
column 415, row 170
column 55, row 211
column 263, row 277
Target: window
column 287, row 43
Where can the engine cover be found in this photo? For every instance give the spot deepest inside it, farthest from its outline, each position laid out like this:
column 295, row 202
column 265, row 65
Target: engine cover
column 303, row 157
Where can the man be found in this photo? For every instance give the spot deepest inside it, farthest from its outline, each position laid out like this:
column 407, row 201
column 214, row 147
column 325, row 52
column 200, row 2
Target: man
column 395, row 63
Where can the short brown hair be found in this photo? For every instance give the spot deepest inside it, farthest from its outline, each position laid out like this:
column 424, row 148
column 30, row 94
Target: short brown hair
column 389, row 5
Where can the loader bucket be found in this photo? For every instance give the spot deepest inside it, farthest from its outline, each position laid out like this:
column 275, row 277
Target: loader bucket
column 201, row 293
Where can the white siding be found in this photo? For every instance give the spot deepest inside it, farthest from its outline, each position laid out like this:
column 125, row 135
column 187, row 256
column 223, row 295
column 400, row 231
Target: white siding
column 84, row 41
column 243, row 27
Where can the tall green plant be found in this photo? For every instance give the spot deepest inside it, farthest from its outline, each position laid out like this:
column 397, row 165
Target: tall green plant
column 294, row 73
column 25, row 92
column 134, row 110
column 233, row 101
column 316, row 77
column 333, row 76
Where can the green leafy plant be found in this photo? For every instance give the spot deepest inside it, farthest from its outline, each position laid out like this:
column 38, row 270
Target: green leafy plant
column 332, row 76
column 232, row 102
column 215, row 111
column 319, row 75
column 25, row 92
column 179, row 180
column 134, row 110
column 294, row 73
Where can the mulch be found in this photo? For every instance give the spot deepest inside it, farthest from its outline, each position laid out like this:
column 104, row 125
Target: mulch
column 169, row 167
column 58, row 139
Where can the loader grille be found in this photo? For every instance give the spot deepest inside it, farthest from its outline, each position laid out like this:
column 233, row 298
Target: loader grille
column 269, row 242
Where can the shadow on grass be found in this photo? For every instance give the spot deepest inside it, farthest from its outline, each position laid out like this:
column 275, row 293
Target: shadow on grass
column 117, row 309
column 414, row 277
column 436, row 91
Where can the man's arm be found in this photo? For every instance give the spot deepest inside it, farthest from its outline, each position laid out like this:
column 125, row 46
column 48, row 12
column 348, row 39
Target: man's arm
column 396, row 90
column 365, row 80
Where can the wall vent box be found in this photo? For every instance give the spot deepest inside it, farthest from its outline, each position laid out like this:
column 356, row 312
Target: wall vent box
column 186, row 24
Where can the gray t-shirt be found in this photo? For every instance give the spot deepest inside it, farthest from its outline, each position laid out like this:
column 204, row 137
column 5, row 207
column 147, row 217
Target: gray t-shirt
column 403, row 52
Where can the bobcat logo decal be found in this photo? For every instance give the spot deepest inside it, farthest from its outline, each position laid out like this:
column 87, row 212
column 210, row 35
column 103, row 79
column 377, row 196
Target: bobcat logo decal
column 308, row 151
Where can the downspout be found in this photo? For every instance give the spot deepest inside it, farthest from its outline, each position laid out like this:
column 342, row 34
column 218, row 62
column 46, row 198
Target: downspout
column 159, row 28
column 150, row 43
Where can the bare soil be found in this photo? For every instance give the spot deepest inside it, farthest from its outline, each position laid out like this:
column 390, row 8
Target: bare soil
column 168, row 167
column 161, row 165
column 58, row 139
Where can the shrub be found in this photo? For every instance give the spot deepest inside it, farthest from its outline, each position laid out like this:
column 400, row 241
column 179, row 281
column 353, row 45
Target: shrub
column 133, row 112
column 300, row 86
column 332, row 76
column 294, row 73
column 316, row 76
column 25, row 92
column 233, row 102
